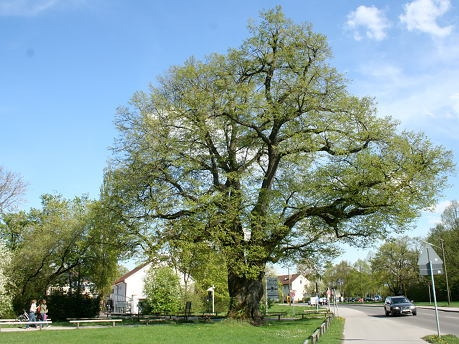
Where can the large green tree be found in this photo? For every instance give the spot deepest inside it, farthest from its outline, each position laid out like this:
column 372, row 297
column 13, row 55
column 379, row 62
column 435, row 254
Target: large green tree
column 5, row 287
column 446, row 234
column 395, row 265
column 65, row 243
column 262, row 152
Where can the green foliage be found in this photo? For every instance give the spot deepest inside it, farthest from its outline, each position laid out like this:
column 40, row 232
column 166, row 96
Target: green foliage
column 62, row 306
column 162, row 290
column 446, row 233
column 65, row 243
column 448, row 339
column 5, row 285
column 264, row 155
column 395, row 265
column 334, row 334
column 352, row 280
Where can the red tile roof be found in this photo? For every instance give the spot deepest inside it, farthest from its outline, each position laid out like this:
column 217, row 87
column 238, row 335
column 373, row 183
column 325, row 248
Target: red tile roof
column 130, row 273
column 284, row 279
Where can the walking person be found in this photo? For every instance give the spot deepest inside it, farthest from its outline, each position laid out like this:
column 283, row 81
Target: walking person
column 32, row 311
column 43, row 311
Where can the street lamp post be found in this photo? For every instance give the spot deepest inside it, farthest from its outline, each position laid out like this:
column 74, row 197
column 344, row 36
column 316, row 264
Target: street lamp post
column 444, row 265
column 448, row 293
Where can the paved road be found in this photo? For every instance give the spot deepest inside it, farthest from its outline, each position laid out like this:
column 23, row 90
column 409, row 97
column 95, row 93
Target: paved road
column 368, row 324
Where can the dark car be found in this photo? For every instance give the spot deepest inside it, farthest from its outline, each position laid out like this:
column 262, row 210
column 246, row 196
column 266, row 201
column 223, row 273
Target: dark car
column 398, row 305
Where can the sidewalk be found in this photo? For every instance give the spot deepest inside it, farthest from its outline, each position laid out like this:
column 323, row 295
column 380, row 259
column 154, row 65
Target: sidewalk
column 443, row 309
column 363, row 329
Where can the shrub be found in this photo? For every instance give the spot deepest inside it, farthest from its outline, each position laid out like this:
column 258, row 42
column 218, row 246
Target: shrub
column 62, row 306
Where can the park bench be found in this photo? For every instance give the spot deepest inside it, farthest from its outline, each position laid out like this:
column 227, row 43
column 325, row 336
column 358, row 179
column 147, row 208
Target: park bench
column 208, row 315
column 79, row 321
column 152, row 320
column 308, row 312
column 186, row 313
column 24, row 323
column 276, row 314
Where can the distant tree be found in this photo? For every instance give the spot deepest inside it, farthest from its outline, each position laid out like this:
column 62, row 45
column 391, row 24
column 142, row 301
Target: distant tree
column 395, row 264
column 362, row 279
column 65, row 243
column 201, row 267
column 267, row 152
column 340, row 275
column 446, row 233
column 5, row 284
column 12, row 187
column 162, row 290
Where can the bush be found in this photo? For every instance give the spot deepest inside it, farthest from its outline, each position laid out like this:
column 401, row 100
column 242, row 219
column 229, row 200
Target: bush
column 62, row 306
column 162, row 290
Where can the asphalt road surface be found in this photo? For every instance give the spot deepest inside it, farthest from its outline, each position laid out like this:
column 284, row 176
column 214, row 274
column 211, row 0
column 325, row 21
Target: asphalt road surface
column 368, row 324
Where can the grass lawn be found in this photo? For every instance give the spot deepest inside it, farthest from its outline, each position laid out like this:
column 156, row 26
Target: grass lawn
column 439, row 304
column 293, row 311
column 449, row 339
column 334, row 334
column 285, row 332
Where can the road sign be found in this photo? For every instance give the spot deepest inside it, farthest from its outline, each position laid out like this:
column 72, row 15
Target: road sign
column 429, row 256
column 272, row 287
column 430, row 264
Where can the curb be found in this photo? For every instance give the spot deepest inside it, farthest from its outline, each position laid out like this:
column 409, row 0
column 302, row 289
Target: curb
column 442, row 309
column 314, row 337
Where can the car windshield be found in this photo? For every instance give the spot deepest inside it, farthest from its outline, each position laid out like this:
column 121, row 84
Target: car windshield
column 400, row 300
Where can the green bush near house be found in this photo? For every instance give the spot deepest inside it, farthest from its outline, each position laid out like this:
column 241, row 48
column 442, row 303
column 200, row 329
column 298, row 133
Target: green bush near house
column 63, row 306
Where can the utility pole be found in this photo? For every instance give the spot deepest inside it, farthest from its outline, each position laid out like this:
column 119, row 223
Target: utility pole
column 448, row 293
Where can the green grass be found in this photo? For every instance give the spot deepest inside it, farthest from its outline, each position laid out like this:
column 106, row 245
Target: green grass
column 439, row 304
column 225, row 332
column 448, row 339
column 334, row 334
column 292, row 311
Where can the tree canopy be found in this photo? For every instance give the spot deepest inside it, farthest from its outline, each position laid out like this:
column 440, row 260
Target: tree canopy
column 65, row 243
column 446, row 234
column 395, row 264
column 12, row 187
column 263, row 154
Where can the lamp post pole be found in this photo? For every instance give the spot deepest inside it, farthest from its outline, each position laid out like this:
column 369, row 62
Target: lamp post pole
column 448, row 293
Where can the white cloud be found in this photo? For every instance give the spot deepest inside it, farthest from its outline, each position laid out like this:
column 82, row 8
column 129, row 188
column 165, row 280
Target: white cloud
column 422, row 15
column 433, row 214
column 29, row 8
column 369, row 19
column 426, row 98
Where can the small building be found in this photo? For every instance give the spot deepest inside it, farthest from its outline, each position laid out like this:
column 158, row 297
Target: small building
column 293, row 285
column 128, row 290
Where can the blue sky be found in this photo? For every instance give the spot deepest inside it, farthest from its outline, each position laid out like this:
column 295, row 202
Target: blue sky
column 66, row 65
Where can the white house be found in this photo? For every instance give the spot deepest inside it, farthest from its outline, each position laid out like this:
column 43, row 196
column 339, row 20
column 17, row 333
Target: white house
column 294, row 285
column 128, row 290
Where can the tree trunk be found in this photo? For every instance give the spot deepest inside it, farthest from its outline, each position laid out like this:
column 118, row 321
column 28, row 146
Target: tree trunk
column 245, row 295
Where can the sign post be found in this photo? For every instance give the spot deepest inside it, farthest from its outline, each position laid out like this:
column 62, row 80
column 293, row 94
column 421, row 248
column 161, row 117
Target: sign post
column 212, row 291
column 430, row 264
column 272, row 288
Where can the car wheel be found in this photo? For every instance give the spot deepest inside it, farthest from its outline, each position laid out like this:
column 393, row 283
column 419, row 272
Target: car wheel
column 386, row 312
column 415, row 313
